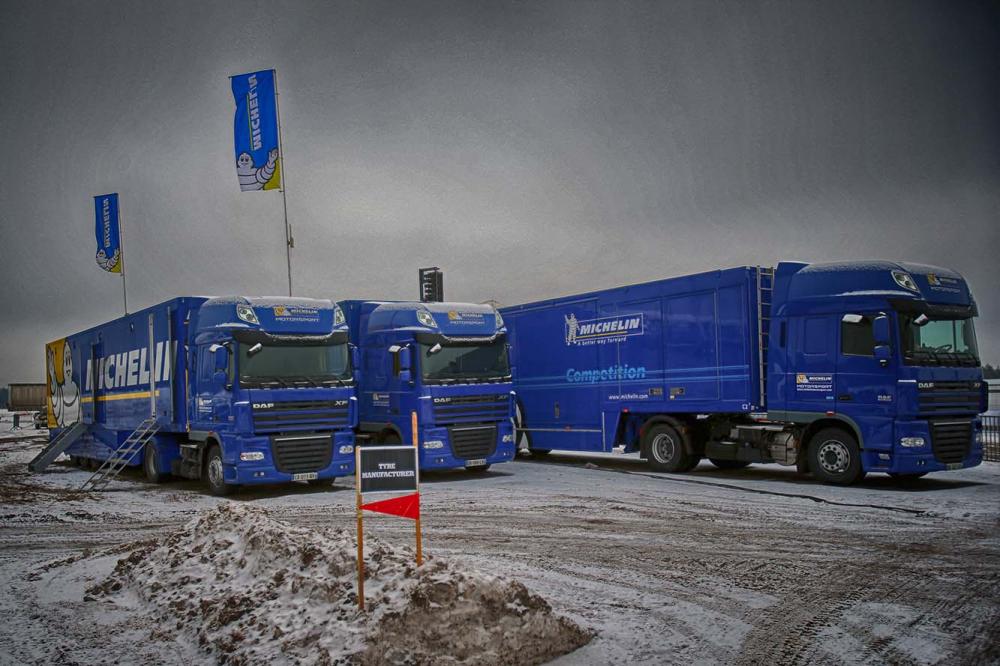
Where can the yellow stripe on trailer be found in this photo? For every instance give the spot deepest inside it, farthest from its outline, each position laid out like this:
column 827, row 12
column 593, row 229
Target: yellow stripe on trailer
column 119, row 396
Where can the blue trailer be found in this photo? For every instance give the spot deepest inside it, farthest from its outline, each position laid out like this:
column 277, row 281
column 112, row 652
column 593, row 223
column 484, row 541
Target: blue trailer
column 840, row 369
column 231, row 390
column 446, row 361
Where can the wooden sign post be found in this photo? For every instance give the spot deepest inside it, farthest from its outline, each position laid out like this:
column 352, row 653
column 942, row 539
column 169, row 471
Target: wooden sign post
column 387, row 469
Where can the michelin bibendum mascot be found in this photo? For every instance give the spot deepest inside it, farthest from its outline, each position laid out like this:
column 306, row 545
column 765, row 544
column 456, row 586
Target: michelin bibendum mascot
column 65, row 395
column 571, row 328
column 106, row 263
column 254, row 178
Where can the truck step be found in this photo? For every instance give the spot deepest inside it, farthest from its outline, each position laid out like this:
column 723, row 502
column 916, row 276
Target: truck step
column 63, row 441
column 117, row 461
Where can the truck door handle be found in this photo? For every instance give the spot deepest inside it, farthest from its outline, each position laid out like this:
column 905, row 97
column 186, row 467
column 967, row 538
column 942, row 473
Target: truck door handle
column 844, row 396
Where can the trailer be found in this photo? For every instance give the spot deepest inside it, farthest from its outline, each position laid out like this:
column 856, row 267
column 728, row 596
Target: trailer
column 448, row 362
column 839, row 369
column 232, row 390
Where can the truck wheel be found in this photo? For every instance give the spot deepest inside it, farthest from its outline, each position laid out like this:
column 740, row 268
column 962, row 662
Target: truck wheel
column 214, row 475
column 728, row 464
column 150, row 464
column 665, row 450
column 834, row 457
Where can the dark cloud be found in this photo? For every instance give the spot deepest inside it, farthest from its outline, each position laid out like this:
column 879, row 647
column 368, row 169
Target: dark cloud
column 530, row 149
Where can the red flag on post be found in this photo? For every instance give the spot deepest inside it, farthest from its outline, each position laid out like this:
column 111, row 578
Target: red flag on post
column 407, row 506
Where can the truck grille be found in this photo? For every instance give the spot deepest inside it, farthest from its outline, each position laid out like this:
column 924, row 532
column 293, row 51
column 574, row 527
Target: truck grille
column 951, row 440
column 302, row 453
column 301, row 415
column 471, row 409
column 947, row 397
column 473, row 442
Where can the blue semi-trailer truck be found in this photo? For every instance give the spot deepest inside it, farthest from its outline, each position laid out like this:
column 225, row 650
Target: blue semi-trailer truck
column 838, row 368
column 231, row 390
column 448, row 362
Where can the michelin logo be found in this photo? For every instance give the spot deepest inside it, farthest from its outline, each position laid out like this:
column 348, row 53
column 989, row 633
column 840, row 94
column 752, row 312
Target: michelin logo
column 603, row 329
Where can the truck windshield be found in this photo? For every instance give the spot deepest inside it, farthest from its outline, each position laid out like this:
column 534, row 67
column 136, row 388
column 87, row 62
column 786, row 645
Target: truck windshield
column 939, row 342
column 453, row 364
column 287, row 365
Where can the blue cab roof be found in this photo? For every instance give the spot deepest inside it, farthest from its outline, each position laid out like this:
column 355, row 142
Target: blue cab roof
column 448, row 319
column 874, row 280
column 280, row 315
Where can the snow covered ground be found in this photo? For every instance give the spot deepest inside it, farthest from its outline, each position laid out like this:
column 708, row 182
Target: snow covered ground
column 752, row 566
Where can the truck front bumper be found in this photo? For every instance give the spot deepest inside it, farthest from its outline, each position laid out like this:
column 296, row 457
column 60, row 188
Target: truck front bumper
column 921, row 459
column 436, row 451
column 264, row 469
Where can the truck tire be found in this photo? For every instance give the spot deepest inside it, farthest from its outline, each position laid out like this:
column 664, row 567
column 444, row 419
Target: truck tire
column 150, row 464
column 664, row 448
column 729, row 464
column 835, row 457
column 214, row 475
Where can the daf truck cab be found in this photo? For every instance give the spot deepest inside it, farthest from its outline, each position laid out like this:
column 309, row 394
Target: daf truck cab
column 449, row 363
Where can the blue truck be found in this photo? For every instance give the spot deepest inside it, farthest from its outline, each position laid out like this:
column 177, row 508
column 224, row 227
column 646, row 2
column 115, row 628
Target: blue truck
column 837, row 368
column 231, row 390
column 449, row 363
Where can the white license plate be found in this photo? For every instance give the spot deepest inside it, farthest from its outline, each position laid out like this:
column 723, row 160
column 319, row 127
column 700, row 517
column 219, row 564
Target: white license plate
column 475, row 463
column 954, row 465
column 305, row 476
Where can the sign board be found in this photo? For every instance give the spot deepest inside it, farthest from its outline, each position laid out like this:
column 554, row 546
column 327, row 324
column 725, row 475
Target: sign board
column 387, row 469
column 431, row 285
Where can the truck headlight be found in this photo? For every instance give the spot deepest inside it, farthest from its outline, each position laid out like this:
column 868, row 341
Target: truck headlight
column 911, row 442
column 434, row 444
column 346, row 448
column 426, row 319
column 246, row 313
column 250, row 456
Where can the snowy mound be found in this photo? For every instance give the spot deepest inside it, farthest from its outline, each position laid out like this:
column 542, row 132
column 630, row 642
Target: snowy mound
column 253, row 590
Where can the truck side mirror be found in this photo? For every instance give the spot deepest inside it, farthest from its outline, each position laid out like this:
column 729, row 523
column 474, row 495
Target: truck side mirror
column 883, row 354
column 880, row 329
column 355, row 359
column 404, row 376
column 404, row 360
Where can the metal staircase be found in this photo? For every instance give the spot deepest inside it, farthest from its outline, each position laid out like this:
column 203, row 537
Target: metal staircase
column 113, row 466
column 765, row 287
column 62, row 442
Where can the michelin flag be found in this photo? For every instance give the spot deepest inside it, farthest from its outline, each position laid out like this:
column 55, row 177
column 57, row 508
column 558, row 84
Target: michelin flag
column 256, row 131
column 109, row 246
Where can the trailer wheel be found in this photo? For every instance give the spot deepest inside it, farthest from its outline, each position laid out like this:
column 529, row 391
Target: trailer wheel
column 729, row 464
column 214, row 475
column 150, row 464
column 835, row 457
column 665, row 450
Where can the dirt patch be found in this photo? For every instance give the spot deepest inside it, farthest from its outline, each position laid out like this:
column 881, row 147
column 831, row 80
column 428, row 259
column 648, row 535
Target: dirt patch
column 251, row 589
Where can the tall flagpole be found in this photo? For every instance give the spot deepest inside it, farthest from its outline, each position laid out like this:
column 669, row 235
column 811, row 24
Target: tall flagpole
column 121, row 252
column 289, row 242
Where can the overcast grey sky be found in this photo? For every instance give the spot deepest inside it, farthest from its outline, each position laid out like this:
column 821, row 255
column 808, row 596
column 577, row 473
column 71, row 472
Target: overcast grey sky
column 529, row 149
